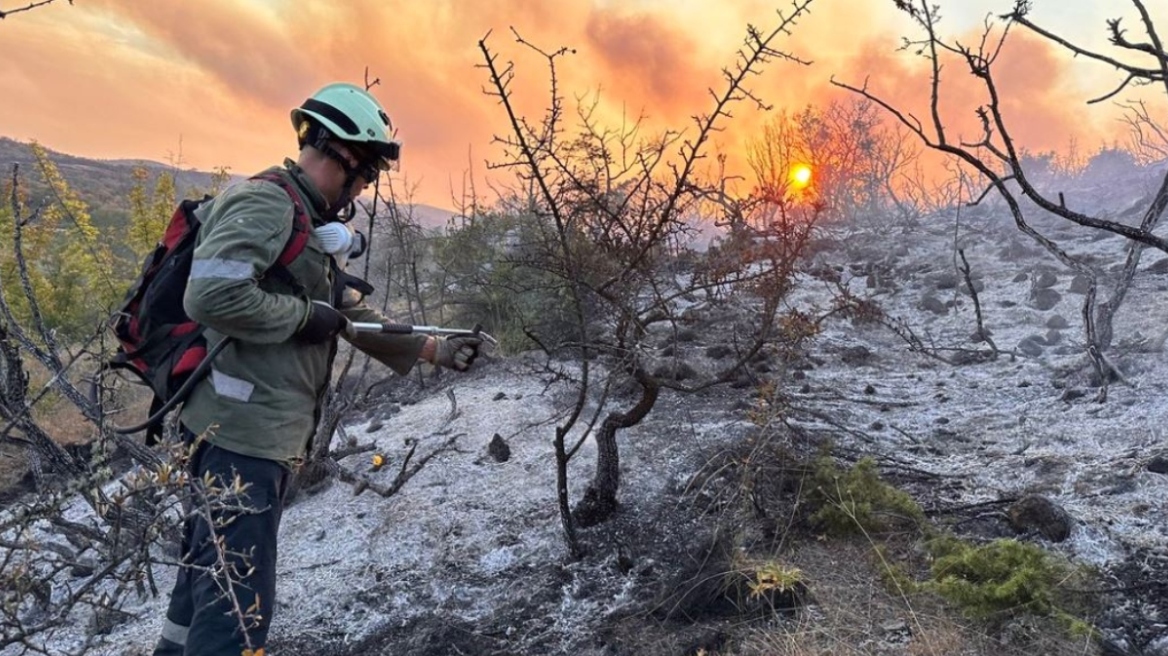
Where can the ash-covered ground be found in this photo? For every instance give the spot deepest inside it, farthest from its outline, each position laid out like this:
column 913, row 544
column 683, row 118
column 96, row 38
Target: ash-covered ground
column 468, row 557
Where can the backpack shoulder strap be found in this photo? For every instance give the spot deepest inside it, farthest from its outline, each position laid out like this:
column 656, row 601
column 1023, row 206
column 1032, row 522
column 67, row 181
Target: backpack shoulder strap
column 301, row 222
column 301, row 226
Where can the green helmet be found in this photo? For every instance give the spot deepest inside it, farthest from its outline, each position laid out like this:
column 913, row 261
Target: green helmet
column 348, row 113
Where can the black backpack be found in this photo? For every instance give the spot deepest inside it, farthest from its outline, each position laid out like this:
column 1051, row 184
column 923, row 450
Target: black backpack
column 157, row 340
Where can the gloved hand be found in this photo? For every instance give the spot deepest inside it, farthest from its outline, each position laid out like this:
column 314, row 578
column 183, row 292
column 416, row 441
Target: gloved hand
column 457, row 353
column 323, row 323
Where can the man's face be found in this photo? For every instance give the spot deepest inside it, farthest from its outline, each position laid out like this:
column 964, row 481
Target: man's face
column 363, row 162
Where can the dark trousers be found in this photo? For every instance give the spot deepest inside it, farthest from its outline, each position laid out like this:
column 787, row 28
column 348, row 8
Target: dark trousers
column 205, row 607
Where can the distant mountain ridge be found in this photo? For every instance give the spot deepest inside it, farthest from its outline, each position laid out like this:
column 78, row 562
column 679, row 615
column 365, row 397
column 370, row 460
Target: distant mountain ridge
column 105, row 184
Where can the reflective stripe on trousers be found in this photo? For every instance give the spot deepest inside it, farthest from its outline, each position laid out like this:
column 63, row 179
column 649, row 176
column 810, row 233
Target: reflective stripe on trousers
column 174, row 639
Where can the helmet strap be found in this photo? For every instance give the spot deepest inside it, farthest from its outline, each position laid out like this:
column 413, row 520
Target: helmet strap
column 322, row 142
column 344, row 208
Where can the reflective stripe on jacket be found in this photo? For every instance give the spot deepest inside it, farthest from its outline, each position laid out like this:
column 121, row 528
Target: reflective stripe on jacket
column 260, row 398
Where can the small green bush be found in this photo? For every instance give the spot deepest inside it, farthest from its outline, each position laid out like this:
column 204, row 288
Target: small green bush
column 857, row 501
column 1005, row 578
column 998, row 581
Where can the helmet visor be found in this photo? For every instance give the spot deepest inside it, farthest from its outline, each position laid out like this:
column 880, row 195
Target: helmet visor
column 388, row 155
column 379, row 156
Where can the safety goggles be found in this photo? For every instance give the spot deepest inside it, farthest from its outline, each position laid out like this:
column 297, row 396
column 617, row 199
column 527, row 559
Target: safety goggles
column 371, row 161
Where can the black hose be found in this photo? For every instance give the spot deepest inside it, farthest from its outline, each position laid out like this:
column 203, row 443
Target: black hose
column 180, row 394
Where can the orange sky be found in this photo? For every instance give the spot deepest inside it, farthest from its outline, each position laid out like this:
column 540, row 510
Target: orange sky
column 135, row 78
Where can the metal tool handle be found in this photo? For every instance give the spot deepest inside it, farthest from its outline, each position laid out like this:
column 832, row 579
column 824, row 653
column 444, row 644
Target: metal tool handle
column 407, row 329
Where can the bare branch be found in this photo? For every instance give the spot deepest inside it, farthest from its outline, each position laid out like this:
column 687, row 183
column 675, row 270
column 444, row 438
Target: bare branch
column 996, row 157
column 4, row 13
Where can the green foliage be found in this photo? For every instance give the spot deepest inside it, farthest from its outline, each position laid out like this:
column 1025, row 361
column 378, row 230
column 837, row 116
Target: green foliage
column 760, row 583
column 857, row 500
column 1004, row 578
column 220, row 176
column 80, row 262
column 163, row 201
column 70, row 265
column 143, row 230
column 150, row 213
column 493, row 275
column 998, row 581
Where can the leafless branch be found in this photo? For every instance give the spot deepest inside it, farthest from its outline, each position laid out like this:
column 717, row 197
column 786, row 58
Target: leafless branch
column 608, row 209
column 997, row 159
column 4, row 13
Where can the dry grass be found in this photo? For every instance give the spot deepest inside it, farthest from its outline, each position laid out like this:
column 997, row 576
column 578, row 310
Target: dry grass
column 64, row 422
column 854, row 605
column 852, row 613
column 13, row 464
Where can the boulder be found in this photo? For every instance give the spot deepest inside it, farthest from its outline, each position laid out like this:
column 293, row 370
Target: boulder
column 978, row 286
column 1035, row 512
column 1045, row 280
column 1044, row 299
column 498, row 449
column 1032, row 346
column 1079, row 284
column 931, row 303
column 946, row 280
column 856, row 355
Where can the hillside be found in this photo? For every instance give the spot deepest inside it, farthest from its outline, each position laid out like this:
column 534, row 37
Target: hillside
column 105, row 184
column 468, row 557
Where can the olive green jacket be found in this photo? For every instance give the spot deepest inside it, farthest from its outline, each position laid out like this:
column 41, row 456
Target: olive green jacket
column 262, row 394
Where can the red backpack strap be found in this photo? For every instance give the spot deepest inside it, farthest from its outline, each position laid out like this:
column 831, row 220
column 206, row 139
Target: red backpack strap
column 301, row 223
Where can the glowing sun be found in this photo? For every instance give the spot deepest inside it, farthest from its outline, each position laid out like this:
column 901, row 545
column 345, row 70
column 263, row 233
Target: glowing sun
column 801, row 175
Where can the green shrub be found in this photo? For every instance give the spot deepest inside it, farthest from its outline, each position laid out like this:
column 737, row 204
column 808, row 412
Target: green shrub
column 1005, row 578
column 1001, row 580
column 497, row 271
column 857, row 501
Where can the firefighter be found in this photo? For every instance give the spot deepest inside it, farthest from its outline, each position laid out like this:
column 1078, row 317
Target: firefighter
column 255, row 413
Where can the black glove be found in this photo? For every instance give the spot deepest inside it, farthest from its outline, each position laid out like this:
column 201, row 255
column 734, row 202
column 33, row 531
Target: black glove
column 323, row 323
column 457, row 353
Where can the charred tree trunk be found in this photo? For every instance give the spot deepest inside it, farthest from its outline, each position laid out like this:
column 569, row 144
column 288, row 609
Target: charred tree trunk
column 1105, row 313
column 562, row 500
column 599, row 500
column 14, row 410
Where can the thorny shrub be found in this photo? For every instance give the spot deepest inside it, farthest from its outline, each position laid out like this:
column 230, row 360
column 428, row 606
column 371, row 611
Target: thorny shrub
column 63, row 561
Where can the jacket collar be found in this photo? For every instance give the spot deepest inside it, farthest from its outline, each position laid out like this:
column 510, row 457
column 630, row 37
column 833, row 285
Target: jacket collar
column 307, row 188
